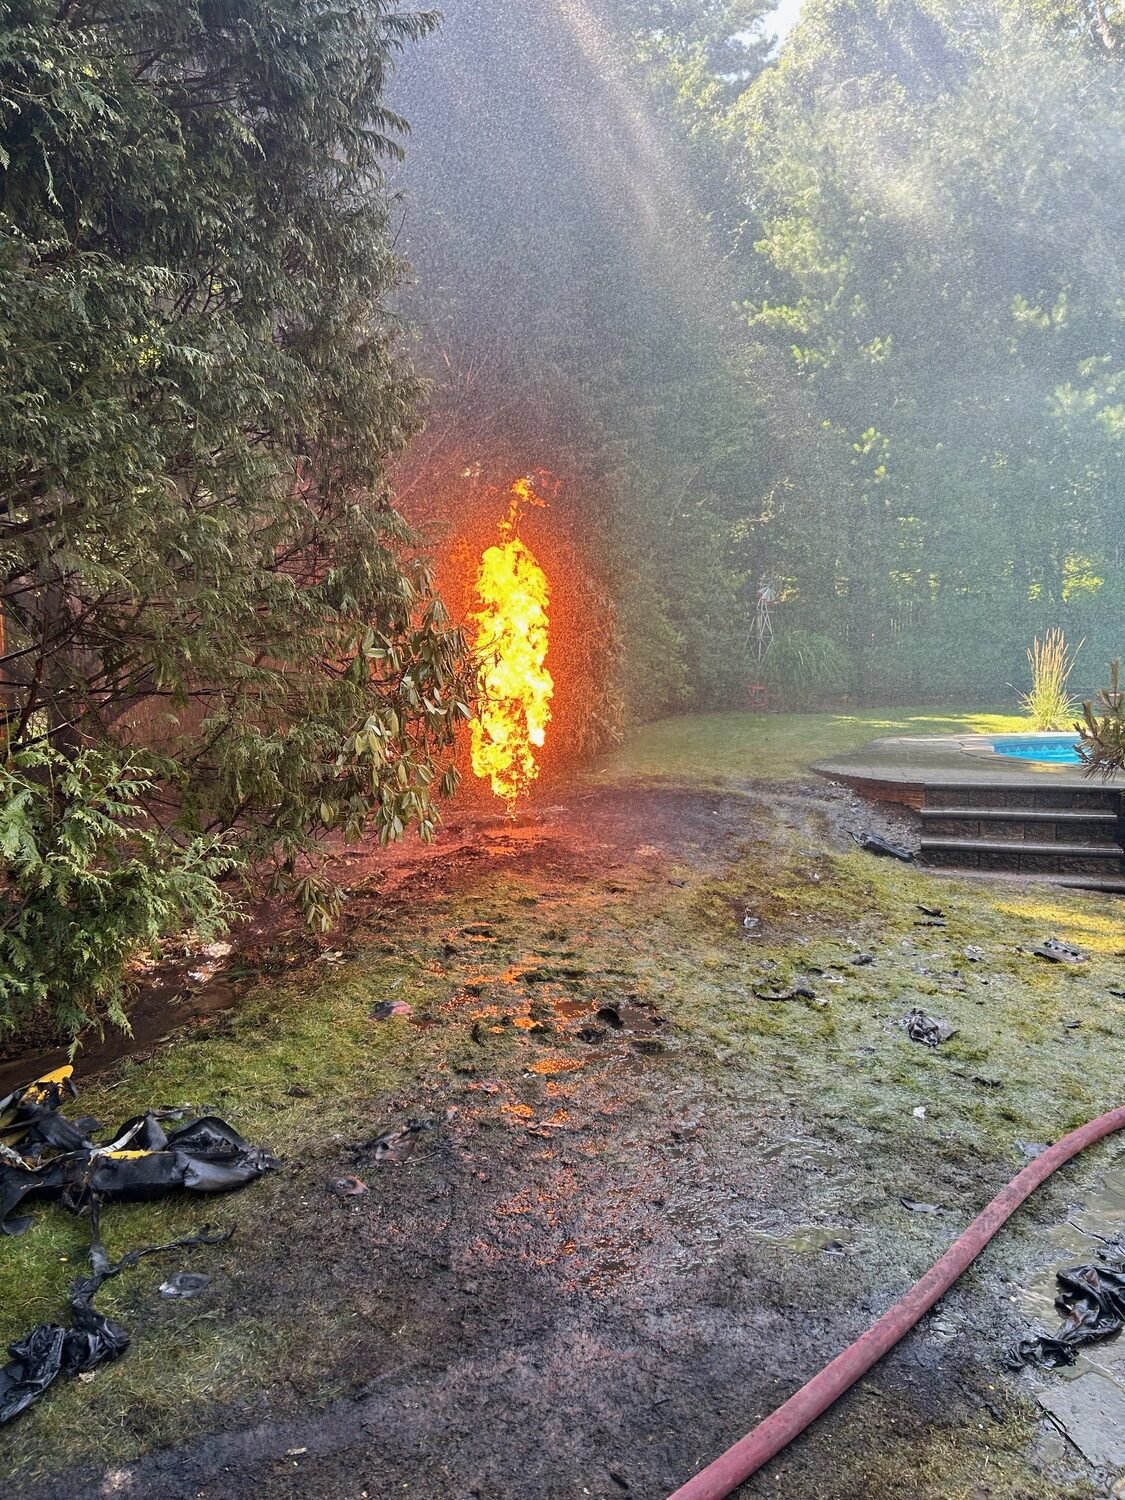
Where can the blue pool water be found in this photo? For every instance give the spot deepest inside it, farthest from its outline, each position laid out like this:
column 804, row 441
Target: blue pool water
column 1056, row 749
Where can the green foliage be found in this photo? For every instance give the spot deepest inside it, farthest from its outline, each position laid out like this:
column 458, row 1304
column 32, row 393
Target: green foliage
column 1102, row 730
column 200, row 391
column 806, row 671
column 1049, row 704
column 915, row 415
column 578, row 332
column 86, row 883
column 656, row 682
column 930, row 283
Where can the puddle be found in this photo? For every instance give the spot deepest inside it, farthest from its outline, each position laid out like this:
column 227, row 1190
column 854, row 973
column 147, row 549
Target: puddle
column 163, row 1007
column 573, row 1010
column 830, row 1239
column 621, row 1016
column 1086, row 1400
column 798, row 1151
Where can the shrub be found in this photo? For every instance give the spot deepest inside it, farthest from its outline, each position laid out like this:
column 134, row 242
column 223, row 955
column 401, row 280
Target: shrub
column 1049, row 704
column 806, row 671
column 85, row 884
column 1102, row 733
column 202, row 385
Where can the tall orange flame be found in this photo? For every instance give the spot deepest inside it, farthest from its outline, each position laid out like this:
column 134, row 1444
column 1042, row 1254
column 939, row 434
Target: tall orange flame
column 511, row 645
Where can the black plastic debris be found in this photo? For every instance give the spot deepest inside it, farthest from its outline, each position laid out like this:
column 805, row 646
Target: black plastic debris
column 140, row 1162
column 1091, row 1300
column 1058, row 952
column 932, row 916
column 45, row 1156
column 929, row 1030
column 799, row 991
column 921, row 1208
column 50, row 1350
column 873, row 843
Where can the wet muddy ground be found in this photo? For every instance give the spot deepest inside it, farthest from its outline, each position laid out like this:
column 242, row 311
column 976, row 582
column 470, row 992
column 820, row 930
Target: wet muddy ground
column 652, row 1198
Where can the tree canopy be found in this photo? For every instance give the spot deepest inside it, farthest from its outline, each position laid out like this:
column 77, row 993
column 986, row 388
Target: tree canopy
column 848, row 314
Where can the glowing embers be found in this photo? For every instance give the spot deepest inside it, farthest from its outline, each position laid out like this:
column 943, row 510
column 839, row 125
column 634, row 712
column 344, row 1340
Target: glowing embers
column 511, row 644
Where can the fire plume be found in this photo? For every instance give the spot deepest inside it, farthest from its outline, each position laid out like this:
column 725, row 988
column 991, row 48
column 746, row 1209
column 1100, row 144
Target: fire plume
column 511, row 646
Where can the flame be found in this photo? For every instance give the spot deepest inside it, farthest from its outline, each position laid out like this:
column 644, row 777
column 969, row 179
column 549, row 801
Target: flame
column 511, row 645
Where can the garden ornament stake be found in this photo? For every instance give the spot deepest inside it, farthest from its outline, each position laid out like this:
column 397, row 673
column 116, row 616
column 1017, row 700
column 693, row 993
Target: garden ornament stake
column 761, row 629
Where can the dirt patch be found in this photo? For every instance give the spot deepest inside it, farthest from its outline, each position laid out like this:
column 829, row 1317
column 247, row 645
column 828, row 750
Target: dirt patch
column 589, row 1312
column 591, row 832
column 651, row 1205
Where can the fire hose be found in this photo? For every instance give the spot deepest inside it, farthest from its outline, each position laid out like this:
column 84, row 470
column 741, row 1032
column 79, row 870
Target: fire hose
column 721, row 1477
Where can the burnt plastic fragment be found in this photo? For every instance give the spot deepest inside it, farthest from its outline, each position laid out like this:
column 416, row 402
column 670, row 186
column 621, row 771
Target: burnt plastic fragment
column 1058, row 952
column 184, row 1284
column 45, row 1156
column 929, row 1030
column 396, row 1145
column 387, row 1009
column 873, row 843
column 1092, row 1301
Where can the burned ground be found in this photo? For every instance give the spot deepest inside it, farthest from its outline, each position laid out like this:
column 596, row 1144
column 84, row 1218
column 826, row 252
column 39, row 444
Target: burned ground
column 651, row 1202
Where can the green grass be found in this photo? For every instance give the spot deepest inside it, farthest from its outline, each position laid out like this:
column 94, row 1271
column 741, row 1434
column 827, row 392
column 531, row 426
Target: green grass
column 775, row 746
column 1014, row 1069
column 300, row 1060
column 290, row 1069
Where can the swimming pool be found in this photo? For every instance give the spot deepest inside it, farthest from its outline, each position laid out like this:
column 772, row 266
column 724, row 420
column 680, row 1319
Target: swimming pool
column 1055, row 749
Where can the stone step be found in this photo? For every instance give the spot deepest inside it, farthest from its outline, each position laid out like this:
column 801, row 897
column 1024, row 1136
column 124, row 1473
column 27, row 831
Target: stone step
column 1026, row 814
column 1108, row 883
column 1041, row 797
column 1029, row 826
column 1025, row 856
column 1005, row 846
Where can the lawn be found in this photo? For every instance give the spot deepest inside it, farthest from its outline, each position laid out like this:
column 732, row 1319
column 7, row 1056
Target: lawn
column 739, row 746
column 698, row 1201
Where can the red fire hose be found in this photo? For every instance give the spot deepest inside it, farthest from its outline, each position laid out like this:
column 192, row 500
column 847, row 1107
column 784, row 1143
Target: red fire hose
column 779, row 1429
